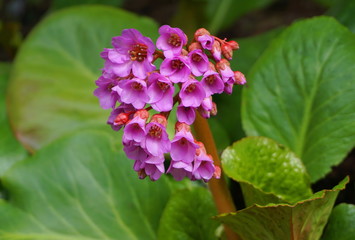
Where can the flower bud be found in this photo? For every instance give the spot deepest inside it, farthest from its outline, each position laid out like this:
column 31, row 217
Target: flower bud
column 227, row 51
column 233, row 44
column 214, row 109
column 142, row 113
column 200, row 32
column 216, row 50
column 159, row 118
column 217, row 172
column 181, row 126
column 239, row 78
column 194, row 46
column 121, row 119
column 222, row 65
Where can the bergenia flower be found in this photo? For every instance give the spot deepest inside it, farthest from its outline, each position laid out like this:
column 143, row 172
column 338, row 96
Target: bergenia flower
column 192, row 93
column 160, row 92
column 132, row 52
column 135, row 92
column 188, row 76
column 183, row 146
column 177, row 69
column 157, row 141
column 171, row 40
column 198, row 62
column 180, row 169
column 206, row 41
column 107, row 97
column 212, row 83
column 186, row 114
column 134, row 130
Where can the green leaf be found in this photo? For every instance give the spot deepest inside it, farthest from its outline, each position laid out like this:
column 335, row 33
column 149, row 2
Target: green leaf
column 268, row 172
column 343, row 11
column 301, row 93
column 188, row 215
column 51, row 90
column 10, row 149
column 221, row 14
column 341, row 224
column 87, row 190
column 304, row 220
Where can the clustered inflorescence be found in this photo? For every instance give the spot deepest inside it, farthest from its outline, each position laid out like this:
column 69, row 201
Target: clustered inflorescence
column 188, row 77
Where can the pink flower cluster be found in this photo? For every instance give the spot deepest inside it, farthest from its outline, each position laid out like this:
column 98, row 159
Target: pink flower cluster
column 131, row 85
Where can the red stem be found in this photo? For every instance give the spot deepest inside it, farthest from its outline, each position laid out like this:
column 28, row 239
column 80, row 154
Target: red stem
column 218, row 187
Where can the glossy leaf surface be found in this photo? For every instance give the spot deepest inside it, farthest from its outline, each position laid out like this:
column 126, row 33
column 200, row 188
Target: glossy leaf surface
column 267, row 171
column 87, row 190
column 304, row 220
column 55, row 71
column 301, row 93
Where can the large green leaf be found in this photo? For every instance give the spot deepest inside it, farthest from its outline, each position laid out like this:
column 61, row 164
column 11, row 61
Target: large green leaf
column 53, row 77
column 267, row 171
column 304, row 220
column 188, row 216
column 301, row 93
column 341, row 224
column 10, row 149
column 87, row 191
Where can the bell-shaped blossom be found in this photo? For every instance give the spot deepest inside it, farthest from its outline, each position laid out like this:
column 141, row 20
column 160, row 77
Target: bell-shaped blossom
column 203, row 167
column 206, row 41
column 135, row 129
column 171, row 40
column 177, row 69
column 228, row 88
column 226, row 72
column 180, row 169
column 135, row 92
column 154, row 167
column 135, row 151
column 212, row 83
column 206, row 107
column 216, row 51
column 183, row 147
column 104, row 93
column 192, row 93
column 132, row 52
column 160, row 92
column 185, row 114
column 198, row 62
column 157, row 141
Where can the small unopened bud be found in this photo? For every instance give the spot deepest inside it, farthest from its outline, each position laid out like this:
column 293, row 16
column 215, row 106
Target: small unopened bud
column 216, row 50
column 201, row 148
column 223, row 64
column 239, row 78
column 233, row 44
column 214, row 109
column 181, row 126
column 161, row 119
column 200, row 32
column 121, row 119
column 142, row 113
column 142, row 174
column 211, row 66
column 194, row 46
column 184, row 52
column 217, row 172
column 227, row 51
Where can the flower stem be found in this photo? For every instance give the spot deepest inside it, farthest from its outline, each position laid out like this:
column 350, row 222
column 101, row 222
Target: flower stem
column 218, row 187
